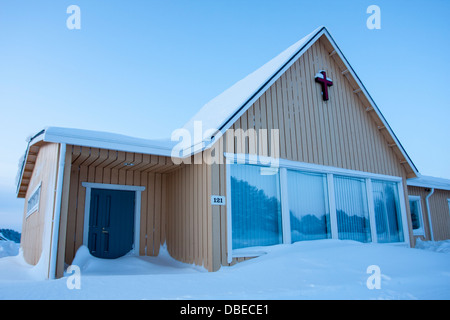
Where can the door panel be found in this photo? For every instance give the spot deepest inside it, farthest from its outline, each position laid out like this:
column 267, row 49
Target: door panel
column 111, row 223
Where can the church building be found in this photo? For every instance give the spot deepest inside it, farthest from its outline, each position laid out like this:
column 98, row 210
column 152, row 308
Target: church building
column 296, row 151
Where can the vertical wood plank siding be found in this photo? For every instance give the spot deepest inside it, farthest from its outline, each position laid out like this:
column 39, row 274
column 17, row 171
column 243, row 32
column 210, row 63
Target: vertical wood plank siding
column 175, row 207
column 440, row 214
column 36, row 227
column 189, row 223
column 109, row 167
column 340, row 132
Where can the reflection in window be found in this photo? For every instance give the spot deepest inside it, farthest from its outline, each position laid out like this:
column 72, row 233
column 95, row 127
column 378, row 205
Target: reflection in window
column 256, row 206
column 387, row 211
column 351, row 209
column 308, row 206
column 416, row 215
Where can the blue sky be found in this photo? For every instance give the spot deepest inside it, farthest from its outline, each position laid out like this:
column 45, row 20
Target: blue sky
column 163, row 60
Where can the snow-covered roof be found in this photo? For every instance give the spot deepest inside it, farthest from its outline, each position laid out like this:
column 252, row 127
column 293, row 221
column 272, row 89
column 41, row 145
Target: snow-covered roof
column 220, row 113
column 429, row 182
column 224, row 108
column 95, row 139
column 106, row 140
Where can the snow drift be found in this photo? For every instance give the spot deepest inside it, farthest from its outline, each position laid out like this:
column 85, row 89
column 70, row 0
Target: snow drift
column 321, row 269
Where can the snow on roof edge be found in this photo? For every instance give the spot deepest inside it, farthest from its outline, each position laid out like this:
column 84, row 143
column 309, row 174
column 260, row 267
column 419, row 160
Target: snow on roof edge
column 107, row 140
column 96, row 139
column 429, row 182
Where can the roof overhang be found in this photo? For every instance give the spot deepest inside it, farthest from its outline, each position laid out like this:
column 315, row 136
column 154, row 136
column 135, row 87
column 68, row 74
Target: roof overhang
column 429, row 182
column 85, row 138
column 107, row 140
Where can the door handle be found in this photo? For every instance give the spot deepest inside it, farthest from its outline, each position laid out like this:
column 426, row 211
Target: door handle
column 104, row 231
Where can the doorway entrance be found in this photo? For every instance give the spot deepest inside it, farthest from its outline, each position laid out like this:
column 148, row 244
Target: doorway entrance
column 111, row 223
column 112, row 219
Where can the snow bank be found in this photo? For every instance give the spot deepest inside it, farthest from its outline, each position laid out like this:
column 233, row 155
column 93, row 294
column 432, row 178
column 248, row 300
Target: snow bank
column 131, row 264
column 8, row 248
column 437, row 246
column 321, row 269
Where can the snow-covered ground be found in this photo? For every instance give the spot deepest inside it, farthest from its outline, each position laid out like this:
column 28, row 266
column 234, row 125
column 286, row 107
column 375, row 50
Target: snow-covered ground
column 8, row 248
column 437, row 246
column 324, row 269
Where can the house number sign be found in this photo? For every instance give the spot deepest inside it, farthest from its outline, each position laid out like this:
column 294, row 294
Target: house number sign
column 217, row 200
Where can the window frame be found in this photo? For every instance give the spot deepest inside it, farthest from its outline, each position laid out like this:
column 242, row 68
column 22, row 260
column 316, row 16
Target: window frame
column 368, row 198
column 283, row 165
column 35, row 207
column 421, row 230
column 323, row 176
column 250, row 236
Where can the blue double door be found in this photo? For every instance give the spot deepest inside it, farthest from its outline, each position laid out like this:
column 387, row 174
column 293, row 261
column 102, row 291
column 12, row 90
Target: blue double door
column 111, row 223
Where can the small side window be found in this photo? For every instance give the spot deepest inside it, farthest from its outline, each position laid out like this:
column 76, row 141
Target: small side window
column 416, row 215
column 33, row 201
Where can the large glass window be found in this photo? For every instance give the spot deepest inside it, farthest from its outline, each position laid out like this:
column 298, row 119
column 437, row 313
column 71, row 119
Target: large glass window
column 387, row 211
column 267, row 203
column 351, row 209
column 308, row 206
column 256, row 206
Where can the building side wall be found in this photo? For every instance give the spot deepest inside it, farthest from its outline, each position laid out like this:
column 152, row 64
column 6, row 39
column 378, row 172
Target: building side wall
column 439, row 212
column 36, row 228
column 189, row 219
column 422, row 193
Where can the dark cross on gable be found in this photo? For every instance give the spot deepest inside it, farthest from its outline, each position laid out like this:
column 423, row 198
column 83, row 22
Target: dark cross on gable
column 321, row 78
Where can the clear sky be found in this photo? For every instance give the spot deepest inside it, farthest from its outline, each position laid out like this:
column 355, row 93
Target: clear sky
column 143, row 68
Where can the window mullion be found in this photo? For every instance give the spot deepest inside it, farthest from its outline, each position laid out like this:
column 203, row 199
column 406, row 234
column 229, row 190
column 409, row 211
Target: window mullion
column 332, row 204
column 285, row 214
column 229, row 224
column 373, row 228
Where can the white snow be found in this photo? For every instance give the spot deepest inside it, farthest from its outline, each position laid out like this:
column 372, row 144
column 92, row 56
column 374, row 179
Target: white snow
column 429, row 182
column 8, row 248
column 108, row 140
column 437, row 246
column 320, row 75
column 321, row 269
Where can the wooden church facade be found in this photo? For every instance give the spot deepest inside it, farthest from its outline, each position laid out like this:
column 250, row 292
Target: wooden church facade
column 340, row 173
